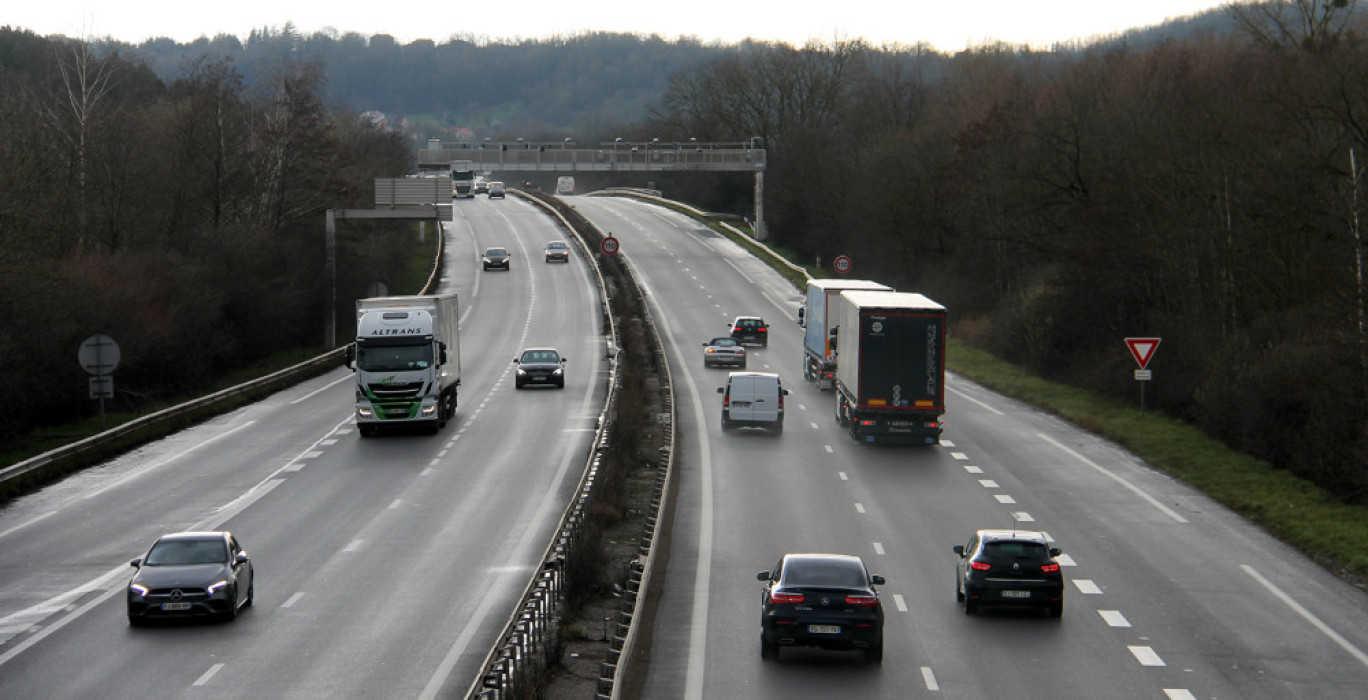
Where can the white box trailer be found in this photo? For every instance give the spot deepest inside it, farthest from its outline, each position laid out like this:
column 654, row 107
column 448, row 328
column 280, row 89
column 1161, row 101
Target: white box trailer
column 407, row 360
column 890, row 369
column 817, row 317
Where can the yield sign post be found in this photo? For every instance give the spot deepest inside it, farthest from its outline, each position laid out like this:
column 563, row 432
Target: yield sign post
column 1142, row 349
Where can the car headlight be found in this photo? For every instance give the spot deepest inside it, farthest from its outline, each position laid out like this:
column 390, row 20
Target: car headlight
column 558, row 372
column 522, row 372
column 138, row 588
column 217, row 586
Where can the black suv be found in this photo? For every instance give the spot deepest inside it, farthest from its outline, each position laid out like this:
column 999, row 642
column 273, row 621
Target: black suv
column 750, row 329
column 821, row 600
column 1009, row 567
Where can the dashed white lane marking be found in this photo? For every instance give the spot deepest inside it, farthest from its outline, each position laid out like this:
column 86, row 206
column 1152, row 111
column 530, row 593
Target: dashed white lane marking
column 1344, row 644
column 815, row 426
column 311, row 454
column 293, row 467
column 1004, row 498
column 1114, row 618
column 988, row 483
column 354, row 546
column 330, row 441
column 929, row 678
column 959, row 456
column 289, row 602
column 973, row 469
column 829, row 450
column 947, row 443
column 878, row 548
column 844, row 476
column 1022, row 516
column 900, row 603
column 426, row 471
column 1086, row 586
column 1146, row 656
column 859, row 508
column 396, row 503
column 209, row 674
column 1179, row 694
column 1065, row 560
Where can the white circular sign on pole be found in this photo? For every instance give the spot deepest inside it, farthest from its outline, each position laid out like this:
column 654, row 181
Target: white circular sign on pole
column 842, row 264
column 609, row 245
column 99, row 355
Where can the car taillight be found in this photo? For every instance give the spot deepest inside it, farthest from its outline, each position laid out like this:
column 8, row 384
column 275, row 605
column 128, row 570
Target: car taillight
column 785, row 598
column 1050, row 568
column 736, row 329
column 980, row 565
column 863, row 601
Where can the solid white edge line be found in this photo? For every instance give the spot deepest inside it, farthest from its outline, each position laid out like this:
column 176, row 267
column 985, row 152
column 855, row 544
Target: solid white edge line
column 1114, row 477
column 1307, row 615
column 971, row 399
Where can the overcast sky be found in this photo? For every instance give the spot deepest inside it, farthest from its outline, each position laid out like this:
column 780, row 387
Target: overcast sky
column 949, row 25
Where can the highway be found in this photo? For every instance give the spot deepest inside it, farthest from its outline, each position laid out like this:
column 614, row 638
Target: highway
column 1169, row 596
column 386, row 567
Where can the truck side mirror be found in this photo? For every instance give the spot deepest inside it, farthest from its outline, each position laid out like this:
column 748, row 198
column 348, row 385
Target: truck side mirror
column 802, row 316
column 349, row 356
column 833, row 337
column 442, row 357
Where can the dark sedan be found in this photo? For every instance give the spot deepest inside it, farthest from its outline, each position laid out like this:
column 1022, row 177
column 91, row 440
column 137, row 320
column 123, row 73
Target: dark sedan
column 539, row 367
column 821, row 600
column 191, row 574
column 496, row 258
column 1009, row 567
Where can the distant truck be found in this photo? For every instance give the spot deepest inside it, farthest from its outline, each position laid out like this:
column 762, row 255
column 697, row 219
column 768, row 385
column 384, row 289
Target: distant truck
column 817, row 318
column 462, row 179
column 890, row 366
column 565, row 185
column 407, row 360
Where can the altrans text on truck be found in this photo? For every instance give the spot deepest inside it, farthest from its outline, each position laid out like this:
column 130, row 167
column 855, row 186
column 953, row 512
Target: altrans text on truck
column 407, row 360
column 890, row 366
column 817, row 317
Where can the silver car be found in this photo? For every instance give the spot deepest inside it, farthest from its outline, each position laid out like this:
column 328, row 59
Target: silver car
column 724, row 352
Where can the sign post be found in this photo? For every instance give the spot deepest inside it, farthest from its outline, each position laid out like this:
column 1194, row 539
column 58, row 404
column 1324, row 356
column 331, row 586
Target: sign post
column 99, row 355
column 1142, row 349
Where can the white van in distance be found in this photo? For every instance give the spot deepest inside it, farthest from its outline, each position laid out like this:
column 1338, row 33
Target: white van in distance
column 753, row 399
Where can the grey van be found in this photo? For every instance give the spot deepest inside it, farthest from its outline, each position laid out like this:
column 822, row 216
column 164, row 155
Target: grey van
column 753, row 399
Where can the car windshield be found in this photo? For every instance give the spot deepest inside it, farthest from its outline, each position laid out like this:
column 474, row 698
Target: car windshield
column 749, row 323
column 724, row 342
column 393, row 358
column 555, row 245
column 824, row 573
column 180, row 552
column 540, row 357
column 1008, row 550
column 496, row 253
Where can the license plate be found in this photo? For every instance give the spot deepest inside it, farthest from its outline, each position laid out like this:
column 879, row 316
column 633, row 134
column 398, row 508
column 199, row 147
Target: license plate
column 1016, row 594
column 539, row 379
column 824, row 629
column 741, row 404
column 175, row 606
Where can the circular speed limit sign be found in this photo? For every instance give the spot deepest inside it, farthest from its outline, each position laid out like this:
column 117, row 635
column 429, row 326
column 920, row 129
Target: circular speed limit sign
column 609, row 245
column 842, row 264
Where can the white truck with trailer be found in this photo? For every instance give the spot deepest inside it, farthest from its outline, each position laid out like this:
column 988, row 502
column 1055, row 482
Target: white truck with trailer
column 817, row 319
column 890, row 366
column 407, row 360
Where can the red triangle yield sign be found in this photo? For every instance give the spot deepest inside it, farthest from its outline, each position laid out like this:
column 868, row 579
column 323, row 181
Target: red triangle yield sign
column 1143, row 349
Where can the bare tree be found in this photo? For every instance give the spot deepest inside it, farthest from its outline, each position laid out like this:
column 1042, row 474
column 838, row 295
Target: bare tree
column 1299, row 25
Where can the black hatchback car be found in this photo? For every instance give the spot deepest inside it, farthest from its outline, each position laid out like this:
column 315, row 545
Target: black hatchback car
column 1009, row 567
column 191, row 574
column 496, row 258
column 821, row 600
column 750, row 329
